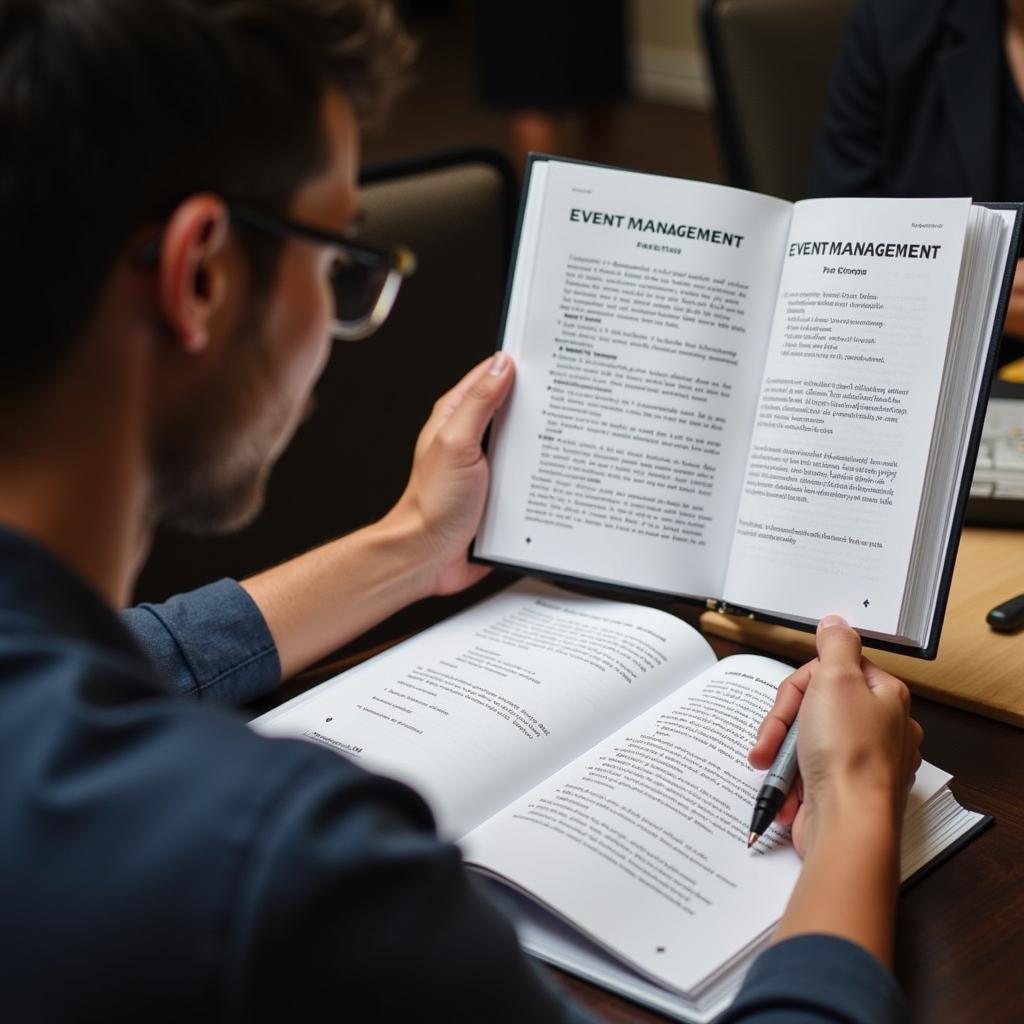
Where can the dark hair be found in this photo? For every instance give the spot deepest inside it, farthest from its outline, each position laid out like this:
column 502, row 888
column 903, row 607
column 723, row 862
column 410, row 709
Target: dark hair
column 114, row 111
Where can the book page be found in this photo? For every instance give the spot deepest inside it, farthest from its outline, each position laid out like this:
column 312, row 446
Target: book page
column 640, row 844
column 934, row 821
column 839, row 449
column 550, row 939
column 477, row 709
column 638, row 319
column 655, row 819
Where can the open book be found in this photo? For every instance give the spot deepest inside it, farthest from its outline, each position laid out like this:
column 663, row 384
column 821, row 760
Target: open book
column 765, row 407
column 589, row 756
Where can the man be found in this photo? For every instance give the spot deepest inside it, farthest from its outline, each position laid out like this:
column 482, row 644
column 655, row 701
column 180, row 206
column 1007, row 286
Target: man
column 178, row 179
column 928, row 100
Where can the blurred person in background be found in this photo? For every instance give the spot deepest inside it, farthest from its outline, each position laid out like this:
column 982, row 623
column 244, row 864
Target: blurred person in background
column 928, row 100
column 543, row 63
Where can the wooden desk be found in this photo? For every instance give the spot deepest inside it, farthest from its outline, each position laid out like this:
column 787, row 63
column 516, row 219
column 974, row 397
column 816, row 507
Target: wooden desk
column 977, row 669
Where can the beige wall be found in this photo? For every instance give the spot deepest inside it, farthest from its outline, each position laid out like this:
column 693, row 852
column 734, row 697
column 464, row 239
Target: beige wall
column 667, row 59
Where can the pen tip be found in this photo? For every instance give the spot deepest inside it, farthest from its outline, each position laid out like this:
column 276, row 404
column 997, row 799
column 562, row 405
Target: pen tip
column 753, row 838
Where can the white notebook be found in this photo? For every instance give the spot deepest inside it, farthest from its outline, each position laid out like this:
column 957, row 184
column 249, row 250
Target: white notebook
column 589, row 757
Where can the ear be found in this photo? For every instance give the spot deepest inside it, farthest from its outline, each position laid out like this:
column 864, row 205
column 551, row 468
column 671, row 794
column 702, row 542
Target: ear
column 193, row 274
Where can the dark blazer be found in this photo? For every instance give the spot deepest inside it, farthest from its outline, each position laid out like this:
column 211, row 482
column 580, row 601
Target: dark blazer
column 916, row 102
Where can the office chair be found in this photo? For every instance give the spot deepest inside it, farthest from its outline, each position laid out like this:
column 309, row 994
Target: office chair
column 349, row 462
column 772, row 63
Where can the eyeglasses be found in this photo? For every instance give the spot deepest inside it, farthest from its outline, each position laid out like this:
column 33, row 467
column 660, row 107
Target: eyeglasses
column 365, row 279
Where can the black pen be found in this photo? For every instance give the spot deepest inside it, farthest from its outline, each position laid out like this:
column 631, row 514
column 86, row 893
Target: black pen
column 775, row 787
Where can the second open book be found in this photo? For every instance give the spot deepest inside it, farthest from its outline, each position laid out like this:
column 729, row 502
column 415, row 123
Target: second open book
column 738, row 400
column 591, row 755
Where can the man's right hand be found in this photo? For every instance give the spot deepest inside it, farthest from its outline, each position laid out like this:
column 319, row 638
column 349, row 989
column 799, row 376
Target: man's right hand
column 858, row 746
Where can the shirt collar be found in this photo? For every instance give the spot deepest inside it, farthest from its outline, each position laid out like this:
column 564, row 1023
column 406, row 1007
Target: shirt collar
column 37, row 588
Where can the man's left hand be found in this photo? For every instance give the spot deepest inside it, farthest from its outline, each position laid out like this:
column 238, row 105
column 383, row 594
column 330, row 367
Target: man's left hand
column 445, row 496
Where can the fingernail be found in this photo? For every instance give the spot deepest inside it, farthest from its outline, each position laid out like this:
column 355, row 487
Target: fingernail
column 498, row 364
column 832, row 620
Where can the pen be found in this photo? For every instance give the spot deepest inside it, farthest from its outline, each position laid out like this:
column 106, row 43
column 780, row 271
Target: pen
column 775, row 787
column 1008, row 616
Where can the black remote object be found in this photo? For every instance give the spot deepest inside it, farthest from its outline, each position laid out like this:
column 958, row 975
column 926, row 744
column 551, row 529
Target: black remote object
column 1008, row 616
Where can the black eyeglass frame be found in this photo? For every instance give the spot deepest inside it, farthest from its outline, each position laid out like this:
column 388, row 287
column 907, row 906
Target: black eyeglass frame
column 398, row 263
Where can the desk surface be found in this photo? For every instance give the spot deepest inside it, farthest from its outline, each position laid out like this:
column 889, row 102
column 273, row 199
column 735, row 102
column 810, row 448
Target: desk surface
column 977, row 669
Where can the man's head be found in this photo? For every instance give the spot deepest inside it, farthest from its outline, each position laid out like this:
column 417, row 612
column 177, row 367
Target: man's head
column 129, row 128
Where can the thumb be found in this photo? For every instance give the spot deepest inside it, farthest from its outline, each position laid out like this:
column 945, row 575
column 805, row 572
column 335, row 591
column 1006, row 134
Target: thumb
column 470, row 418
column 838, row 644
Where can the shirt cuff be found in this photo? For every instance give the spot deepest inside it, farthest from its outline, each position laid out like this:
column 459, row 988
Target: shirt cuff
column 818, row 978
column 211, row 644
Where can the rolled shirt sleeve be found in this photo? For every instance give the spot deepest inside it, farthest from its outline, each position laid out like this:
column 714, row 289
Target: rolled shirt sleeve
column 817, row 979
column 211, row 644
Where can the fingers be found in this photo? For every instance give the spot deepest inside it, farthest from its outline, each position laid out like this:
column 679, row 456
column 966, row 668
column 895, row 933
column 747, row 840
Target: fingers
column 788, row 810
column 878, row 679
column 916, row 739
column 461, row 416
column 452, row 399
column 773, row 729
column 916, row 733
column 838, row 646
column 887, row 687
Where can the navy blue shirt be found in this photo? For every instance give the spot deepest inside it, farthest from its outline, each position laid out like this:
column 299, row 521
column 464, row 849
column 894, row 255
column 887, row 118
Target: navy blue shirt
column 159, row 861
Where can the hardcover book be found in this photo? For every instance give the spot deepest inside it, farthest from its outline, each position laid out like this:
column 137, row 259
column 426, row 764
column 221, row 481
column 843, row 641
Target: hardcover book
column 764, row 407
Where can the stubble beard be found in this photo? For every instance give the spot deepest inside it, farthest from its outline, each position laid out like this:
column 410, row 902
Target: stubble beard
column 214, row 460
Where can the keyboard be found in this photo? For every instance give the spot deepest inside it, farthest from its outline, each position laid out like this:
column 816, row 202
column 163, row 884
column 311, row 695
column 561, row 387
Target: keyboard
column 997, row 490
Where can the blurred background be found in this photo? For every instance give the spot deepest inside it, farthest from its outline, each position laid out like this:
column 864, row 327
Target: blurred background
column 663, row 125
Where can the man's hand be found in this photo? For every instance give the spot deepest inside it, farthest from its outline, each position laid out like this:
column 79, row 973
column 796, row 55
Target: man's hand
column 858, row 751
column 858, row 745
column 444, row 498
column 318, row 602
